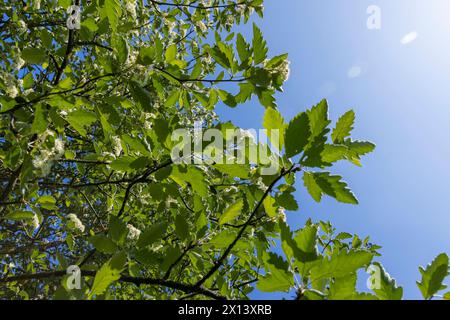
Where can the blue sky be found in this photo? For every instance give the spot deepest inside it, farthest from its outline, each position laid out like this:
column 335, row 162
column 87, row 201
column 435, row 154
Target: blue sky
column 401, row 96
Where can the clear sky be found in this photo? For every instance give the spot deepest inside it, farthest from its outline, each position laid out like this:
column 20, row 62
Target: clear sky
column 401, row 95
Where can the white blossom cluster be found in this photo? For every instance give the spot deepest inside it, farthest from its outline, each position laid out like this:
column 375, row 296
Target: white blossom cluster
column 281, row 214
column 18, row 62
column 240, row 9
column 133, row 232
column 74, row 223
column 10, row 82
column 45, row 159
column 37, row 4
column 35, row 221
column 132, row 58
column 260, row 184
column 117, row 145
column 284, row 69
column 201, row 25
column 21, row 26
column 229, row 22
column 130, row 6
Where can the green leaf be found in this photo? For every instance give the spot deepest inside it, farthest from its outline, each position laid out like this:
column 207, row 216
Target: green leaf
column 171, row 53
column 172, row 99
column 243, row 49
column 103, row 244
column 181, row 227
column 227, row 98
column 275, row 282
column 234, row 170
column 433, row 276
column 34, row 55
column 80, row 119
column 141, row 96
column 194, row 177
column 229, row 55
column 319, row 183
column 108, row 273
column 231, row 212
column 297, row 135
column 47, row 202
column 341, row 264
column 384, row 285
column 146, row 56
column 279, row 277
column 269, row 206
column 259, row 46
column 118, row 230
column 19, row 215
column 223, row 239
column 312, row 294
column 122, row 163
column 306, row 241
column 151, row 234
column 318, row 120
column 343, row 127
column 112, row 9
column 274, row 121
column 287, row 201
column 40, row 121
column 120, row 47
column 276, row 61
column 343, row 288
column 299, row 247
column 358, row 148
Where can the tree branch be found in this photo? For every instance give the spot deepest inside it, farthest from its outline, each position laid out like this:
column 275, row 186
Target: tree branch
column 222, row 258
column 187, row 288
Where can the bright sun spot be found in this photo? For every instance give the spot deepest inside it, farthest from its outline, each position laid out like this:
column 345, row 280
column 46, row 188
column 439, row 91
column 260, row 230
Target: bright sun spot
column 354, row 72
column 410, row 37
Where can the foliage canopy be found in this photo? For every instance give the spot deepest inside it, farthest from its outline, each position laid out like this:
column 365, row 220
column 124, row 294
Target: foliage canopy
column 86, row 174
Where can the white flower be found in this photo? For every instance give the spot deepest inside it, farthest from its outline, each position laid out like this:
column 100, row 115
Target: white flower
column 201, row 25
column 281, row 214
column 10, row 83
column 260, row 184
column 18, row 62
column 44, row 161
column 22, row 26
column 171, row 25
column 59, row 147
column 35, row 222
column 148, row 125
column 133, row 232
column 28, row 92
column 75, row 223
column 117, row 146
column 207, row 59
column 130, row 6
column 132, row 57
column 231, row 189
column 240, row 9
column 206, row 3
column 38, row 162
column 46, row 168
column 230, row 21
column 285, row 70
column 12, row 91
